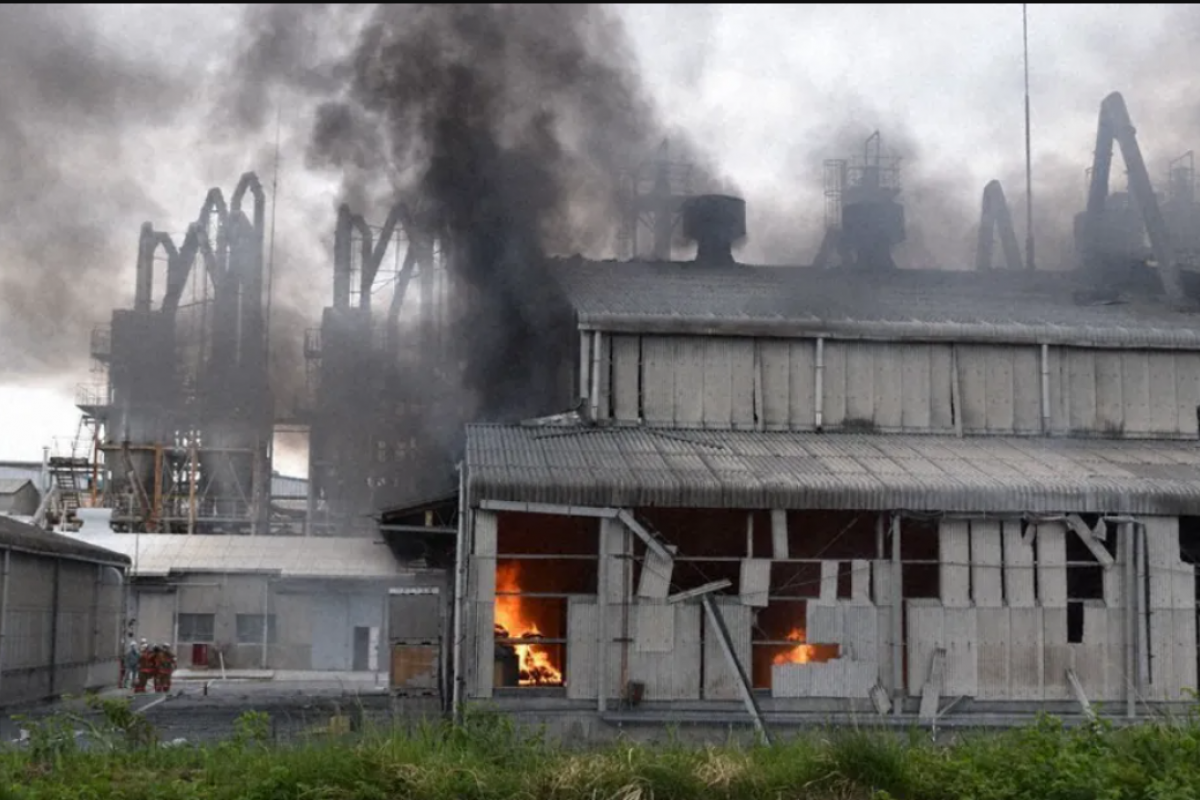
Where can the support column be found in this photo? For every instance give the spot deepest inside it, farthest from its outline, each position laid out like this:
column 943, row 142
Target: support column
column 897, row 625
column 483, row 596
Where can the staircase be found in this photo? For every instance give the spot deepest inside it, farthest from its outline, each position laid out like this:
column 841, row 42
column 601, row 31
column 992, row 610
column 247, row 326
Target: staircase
column 69, row 473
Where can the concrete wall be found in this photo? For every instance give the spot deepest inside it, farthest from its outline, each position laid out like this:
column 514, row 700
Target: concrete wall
column 315, row 621
column 744, row 383
column 61, row 628
column 1006, row 626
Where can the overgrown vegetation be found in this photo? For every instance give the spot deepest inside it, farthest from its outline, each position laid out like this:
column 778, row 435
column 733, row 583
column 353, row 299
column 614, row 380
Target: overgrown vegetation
column 490, row 757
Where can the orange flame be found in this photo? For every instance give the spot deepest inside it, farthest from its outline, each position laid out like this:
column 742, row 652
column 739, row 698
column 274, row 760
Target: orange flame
column 800, row 654
column 537, row 668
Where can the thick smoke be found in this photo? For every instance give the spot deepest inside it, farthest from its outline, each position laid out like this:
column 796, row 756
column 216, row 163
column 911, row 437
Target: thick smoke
column 71, row 113
column 510, row 124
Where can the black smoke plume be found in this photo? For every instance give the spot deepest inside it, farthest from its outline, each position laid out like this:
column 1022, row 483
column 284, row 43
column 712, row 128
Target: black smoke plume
column 71, row 113
column 509, row 123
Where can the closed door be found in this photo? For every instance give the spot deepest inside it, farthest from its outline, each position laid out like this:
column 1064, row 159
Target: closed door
column 330, row 644
column 362, row 649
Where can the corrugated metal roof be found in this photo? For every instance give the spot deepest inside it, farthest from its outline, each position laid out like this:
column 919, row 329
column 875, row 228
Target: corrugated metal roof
column 21, row 470
column 285, row 486
column 20, row 535
column 292, row 556
column 999, row 305
column 13, row 485
column 629, row 467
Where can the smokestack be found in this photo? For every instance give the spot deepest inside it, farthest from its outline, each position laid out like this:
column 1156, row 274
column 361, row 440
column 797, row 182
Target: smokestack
column 714, row 222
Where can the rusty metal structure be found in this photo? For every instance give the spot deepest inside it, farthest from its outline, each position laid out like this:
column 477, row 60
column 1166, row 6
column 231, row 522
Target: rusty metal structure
column 652, row 194
column 864, row 219
column 177, row 431
column 381, row 359
column 996, row 219
column 1108, row 237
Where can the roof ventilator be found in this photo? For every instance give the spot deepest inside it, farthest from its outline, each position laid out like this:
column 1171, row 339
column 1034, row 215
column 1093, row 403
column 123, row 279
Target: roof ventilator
column 714, row 222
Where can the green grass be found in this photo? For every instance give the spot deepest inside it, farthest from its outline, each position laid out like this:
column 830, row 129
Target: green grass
column 488, row 757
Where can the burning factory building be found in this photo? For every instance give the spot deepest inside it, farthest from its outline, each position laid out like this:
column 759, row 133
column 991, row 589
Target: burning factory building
column 701, row 489
column 798, row 494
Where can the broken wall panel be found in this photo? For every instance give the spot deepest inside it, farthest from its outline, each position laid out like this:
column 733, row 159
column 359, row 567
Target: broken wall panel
column 654, row 582
column 954, row 544
column 995, row 637
column 1171, row 608
column 653, row 627
column 1051, row 553
column 583, row 649
column 839, row 678
column 626, row 400
column 755, row 581
column 954, row 630
column 1026, row 659
column 720, row 681
column 1090, row 657
column 1058, row 655
column 825, row 621
column 674, row 675
column 1018, row 565
column 987, row 587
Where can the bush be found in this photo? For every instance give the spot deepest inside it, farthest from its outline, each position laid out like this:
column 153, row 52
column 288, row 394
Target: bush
column 489, row 756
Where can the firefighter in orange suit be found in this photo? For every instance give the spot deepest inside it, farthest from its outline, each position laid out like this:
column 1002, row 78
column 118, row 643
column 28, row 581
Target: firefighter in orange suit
column 145, row 668
column 164, row 666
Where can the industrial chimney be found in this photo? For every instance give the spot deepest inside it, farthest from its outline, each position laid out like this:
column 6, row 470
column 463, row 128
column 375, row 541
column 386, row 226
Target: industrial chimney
column 714, row 222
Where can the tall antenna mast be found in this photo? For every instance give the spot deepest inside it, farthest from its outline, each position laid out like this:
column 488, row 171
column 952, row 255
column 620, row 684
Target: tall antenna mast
column 1028, row 156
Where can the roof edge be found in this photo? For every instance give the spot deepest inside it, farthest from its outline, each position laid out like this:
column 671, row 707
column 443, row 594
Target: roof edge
column 959, row 332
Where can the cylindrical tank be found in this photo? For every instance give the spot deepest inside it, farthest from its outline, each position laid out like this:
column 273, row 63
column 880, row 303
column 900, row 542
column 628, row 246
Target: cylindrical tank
column 144, row 394
column 714, row 222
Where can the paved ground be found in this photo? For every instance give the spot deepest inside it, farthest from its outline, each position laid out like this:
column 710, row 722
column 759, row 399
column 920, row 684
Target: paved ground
column 206, row 710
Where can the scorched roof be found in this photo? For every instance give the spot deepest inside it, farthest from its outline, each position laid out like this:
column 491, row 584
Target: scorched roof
column 632, row 467
column 1000, row 305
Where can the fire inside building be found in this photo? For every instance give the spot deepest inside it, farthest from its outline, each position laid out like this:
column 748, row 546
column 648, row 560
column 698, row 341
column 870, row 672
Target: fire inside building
column 773, row 494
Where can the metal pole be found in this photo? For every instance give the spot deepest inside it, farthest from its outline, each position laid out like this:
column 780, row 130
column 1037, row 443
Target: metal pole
column 1028, row 151
column 266, row 619
column 4, row 613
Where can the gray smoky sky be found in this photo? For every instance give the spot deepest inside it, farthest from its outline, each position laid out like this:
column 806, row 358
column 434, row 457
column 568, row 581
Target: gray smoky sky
column 110, row 116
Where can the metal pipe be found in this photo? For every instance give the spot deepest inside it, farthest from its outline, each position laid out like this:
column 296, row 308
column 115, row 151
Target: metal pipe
column 819, row 385
column 1127, row 534
column 56, row 604
column 1143, row 632
column 460, row 560
column 266, row 617
column 4, row 614
column 1045, row 388
column 594, row 399
column 585, row 360
column 897, row 620
column 602, row 568
column 955, row 392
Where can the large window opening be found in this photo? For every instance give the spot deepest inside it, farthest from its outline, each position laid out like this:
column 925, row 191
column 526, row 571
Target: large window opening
column 1085, row 575
column 713, row 544
column 542, row 561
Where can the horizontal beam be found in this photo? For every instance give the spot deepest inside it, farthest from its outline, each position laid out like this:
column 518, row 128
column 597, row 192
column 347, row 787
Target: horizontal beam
column 708, row 588
column 548, row 508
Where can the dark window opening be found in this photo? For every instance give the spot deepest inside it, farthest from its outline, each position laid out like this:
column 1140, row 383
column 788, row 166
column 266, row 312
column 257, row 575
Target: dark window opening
column 546, row 534
column 1189, row 540
column 780, row 636
column 845, row 580
column 1074, row 622
column 1085, row 575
